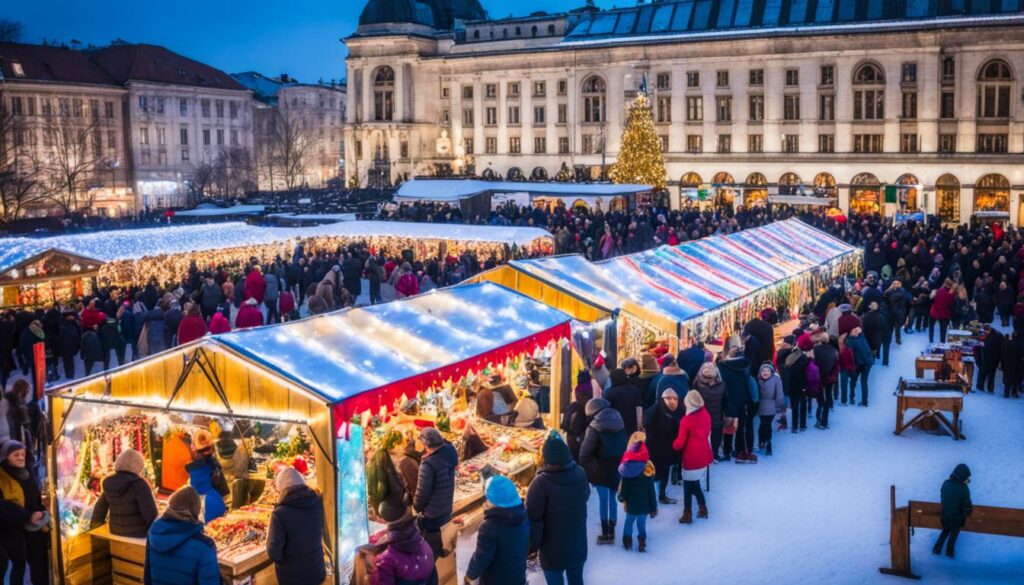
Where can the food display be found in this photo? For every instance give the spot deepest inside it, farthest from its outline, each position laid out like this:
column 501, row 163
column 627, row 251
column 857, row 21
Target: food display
column 240, row 533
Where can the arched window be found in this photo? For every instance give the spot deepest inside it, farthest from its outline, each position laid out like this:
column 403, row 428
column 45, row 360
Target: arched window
column 593, row 100
column 725, row 191
column 907, row 192
column 992, row 193
column 476, row 34
column 384, row 94
column 755, row 190
column 947, row 196
column 865, row 194
column 868, row 93
column 689, row 187
column 824, row 185
column 489, row 174
column 789, row 184
column 539, row 174
column 995, row 85
column 515, row 174
column 533, row 30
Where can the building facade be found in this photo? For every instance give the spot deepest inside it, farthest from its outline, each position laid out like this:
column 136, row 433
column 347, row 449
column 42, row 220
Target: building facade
column 751, row 99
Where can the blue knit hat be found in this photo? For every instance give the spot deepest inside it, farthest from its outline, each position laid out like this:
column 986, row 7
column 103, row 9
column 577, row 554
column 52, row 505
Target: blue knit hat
column 502, row 492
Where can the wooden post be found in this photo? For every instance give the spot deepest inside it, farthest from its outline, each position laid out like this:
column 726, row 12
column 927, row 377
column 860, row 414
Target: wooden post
column 899, row 539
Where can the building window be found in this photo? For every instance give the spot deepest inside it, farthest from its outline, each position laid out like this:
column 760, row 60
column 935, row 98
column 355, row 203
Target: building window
column 947, row 107
column 384, row 94
column 992, row 143
column 757, row 77
column 539, row 115
column 491, row 90
column 220, row 137
column 563, row 145
column 948, row 70
column 867, row 143
column 826, row 143
column 664, row 142
column 513, row 115
column 183, row 136
column 467, row 117
column 757, row 108
column 947, row 142
column 563, row 114
column 588, row 144
column 491, row 116
column 16, row 106
column 514, row 145
column 446, row 92
column 540, row 89
column 994, row 85
column 446, row 117
column 359, row 148
column 791, row 107
column 218, row 107
column 467, row 146
column 694, row 109
column 723, row 105
column 909, row 73
column 909, row 110
column 869, row 97
column 491, row 145
column 792, row 77
column 76, row 108
column 184, row 155
column 513, row 89
column 143, row 103
column 693, row 79
column 161, row 137
column 563, row 87
column 790, row 143
column 94, row 108
column 908, row 143
column 755, row 143
column 947, row 191
column 233, row 109
column 111, row 139
column 724, row 143
column 694, row 143
column 182, row 107
column 663, row 81
column 205, row 106
column 593, row 100
column 722, row 79
column 664, row 109
column 827, row 108
column 828, row 75
column 234, row 138
column 540, row 145
column 206, row 137
column 467, row 92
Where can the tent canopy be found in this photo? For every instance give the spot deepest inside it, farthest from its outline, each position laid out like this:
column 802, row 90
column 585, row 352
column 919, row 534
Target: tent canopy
column 669, row 285
column 452, row 190
column 211, row 210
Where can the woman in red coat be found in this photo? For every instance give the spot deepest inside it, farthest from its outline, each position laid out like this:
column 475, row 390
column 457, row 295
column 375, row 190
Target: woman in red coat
column 943, row 299
column 192, row 326
column 249, row 315
column 694, row 440
column 255, row 285
column 219, row 324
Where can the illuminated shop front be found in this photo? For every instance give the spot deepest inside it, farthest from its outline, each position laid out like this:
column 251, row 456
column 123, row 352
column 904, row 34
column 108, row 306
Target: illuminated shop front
column 44, row 278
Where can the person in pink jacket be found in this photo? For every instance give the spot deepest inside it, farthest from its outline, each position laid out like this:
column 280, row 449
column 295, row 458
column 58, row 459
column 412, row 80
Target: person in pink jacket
column 694, row 442
column 408, row 558
column 249, row 315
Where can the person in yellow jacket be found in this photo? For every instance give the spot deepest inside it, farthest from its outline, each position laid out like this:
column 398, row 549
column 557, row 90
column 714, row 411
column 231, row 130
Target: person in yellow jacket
column 23, row 518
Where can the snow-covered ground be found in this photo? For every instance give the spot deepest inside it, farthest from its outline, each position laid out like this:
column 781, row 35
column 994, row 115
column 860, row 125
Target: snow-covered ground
column 817, row 512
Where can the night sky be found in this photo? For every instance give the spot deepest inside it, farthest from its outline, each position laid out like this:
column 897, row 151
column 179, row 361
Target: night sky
column 298, row 37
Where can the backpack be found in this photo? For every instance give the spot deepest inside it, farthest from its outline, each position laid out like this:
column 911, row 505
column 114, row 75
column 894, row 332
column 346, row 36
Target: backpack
column 813, row 378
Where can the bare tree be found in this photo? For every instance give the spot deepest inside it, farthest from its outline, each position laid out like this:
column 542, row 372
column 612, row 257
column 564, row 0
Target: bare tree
column 73, row 145
column 234, row 171
column 290, row 145
column 10, row 30
column 200, row 182
column 19, row 171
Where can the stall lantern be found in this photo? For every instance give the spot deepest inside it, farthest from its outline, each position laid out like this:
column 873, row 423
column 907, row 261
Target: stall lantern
column 321, row 379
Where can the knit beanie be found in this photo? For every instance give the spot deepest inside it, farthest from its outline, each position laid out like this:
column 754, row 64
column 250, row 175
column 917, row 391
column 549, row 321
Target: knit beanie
column 131, row 461
column 10, row 446
column 693, row 401
column 184, row 505
column 669, row 393
column 288, row 478
column 502, row 492
column 555, row 451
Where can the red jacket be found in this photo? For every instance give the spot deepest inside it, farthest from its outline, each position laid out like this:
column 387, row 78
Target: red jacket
column 846, row 361
column 408, row 285
column 191, row 328
column 248, row 316
column 847, row 323
column 942, row 304
column 219, row 324
column 255, row 285
column 694, row 440
column 92, row 318
column 285, row 302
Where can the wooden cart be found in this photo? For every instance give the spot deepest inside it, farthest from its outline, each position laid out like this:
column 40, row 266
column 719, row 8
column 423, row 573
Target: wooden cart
column 932, row 399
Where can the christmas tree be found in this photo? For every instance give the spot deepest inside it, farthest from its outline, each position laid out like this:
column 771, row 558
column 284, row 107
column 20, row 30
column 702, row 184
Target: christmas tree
column 640, row 157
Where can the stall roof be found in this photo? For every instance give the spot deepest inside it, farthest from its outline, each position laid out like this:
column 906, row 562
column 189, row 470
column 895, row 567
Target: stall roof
column 455, row 189
column 210, row 210
column 674, row 284
column 107, row 246
column 346, row 353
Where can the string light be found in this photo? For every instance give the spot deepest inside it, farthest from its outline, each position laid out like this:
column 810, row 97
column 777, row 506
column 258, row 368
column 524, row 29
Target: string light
column 640, row 158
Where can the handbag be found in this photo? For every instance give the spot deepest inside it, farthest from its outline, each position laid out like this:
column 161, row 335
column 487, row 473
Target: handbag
column 731, row 425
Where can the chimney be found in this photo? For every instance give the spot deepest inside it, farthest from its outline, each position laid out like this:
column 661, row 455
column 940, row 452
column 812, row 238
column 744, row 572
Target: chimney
column 284, row 78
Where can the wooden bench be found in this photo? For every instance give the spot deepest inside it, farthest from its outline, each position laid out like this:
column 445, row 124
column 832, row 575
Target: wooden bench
column 983, row 520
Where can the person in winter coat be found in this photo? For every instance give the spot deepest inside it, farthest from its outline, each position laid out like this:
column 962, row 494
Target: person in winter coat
column 602, row 448
column 7, row 344
column 92, row 316
column 295, row 536
column 864, row 359
column 21, row 506
column 771, row 401
column 130, row 325
column 209, row 297
column 636, row 491
column 255, row 286
column 503, row 540
column 172, row 319
column 192, row 326
column 235, row 463
column 1010, row 356
column 793, row 370
column 127, row 497
column 556, row 504
column 625, row 397
column 1005, row 299
column 956, row 507
column 286, row 304
column 693, row 442
column 941, row 310
column 69, row 343
column 219, row 324
column 762, row 331
column 270, row 296
column 672, row 377
column 991, row 355
column 407, row 560
column 30, row 336
column 874, row 325
column 435, row 487
column 407, row 284
column 847, row 372
column 661, row 422
column 735, row 371
column 249, row 315
column 711, row 388
column 153, row 323
column 112, row 340
column 691, row 358
column 177, row 551
column 92, row 349
column 206, row 476
column 898, row 300
column 574, row 419
column 847, row 320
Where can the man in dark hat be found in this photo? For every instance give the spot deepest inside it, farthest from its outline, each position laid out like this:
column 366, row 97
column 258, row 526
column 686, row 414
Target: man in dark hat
column 956, row 507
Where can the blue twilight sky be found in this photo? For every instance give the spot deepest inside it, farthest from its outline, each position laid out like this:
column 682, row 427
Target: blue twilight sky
column 298, row 37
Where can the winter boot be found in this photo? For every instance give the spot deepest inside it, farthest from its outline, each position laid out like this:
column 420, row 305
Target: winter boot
column 768, row 449
column 937, row 549
column 627, row 542
column 667, row 501
column 782, row 423
column 751, row 458
column 687, row 517
column 641, row 544
column 611, row 531
column 603, row 537
column 702, row 512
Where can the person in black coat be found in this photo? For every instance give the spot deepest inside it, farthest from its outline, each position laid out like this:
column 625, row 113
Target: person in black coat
column 764, row 333
column 735, row 371
column 1009, row 360
column 69, row 342
column 574, row 419
column 172, row 318
column 991, row 355
column 603, row 446
column 503, row 540
column 625, row 397
column 956, row 507
column 984, row 304
column 877, row 330
column 1005, row 299
column 691, row 358
column 898, row 300
column 435, row 487
column 296, row 534
column 110, row 337
column 127, row 498
column 130, row 325
column 661, row 423
column 556, row 504
column 92, row 349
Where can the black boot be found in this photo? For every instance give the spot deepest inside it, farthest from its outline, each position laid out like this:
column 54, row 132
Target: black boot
column 603, row 537
column 641, row 542
column 937, row 549
column 627, row 542
column 611, row 531
column 768, row 449
column 667, row 501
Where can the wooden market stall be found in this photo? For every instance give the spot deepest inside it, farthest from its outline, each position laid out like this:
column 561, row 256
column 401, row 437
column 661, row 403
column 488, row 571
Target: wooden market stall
column 699, row 289
column 32, row 275
column 317, row 394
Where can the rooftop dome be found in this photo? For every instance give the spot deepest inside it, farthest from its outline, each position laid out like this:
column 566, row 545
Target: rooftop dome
column 438, row 14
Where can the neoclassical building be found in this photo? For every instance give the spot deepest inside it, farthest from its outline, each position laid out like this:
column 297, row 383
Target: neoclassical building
column 915, row 102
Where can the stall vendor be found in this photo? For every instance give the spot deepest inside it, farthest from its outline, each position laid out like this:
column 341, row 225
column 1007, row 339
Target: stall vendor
column 207, row 476
column 495, row 401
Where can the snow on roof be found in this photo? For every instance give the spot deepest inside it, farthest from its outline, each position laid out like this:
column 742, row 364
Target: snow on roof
column 209, row 210
column 455, row 189
column 342, row 354
column 107, row 246
column 682, row 282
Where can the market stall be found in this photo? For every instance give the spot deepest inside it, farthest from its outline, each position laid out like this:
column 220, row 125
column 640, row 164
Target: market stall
column 703, row 288
column 322, row 395
column 32, row 277
column 477, row 197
